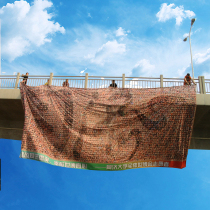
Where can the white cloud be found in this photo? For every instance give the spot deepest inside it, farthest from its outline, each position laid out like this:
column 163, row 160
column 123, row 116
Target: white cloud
column 169, row 57
column 167, row 12
column 143, row 66
column 112, row 47
column 76, row 40
column 187, row 34
column 3, row 72
column 201, row 57
column 189, row 14
column 182, row 71
column 89, row 15
column 81, row 72
column 206, row 75
column 121, row 32
column 198, row 30
column 106, row 51
column 25, row 27
column 15, row 47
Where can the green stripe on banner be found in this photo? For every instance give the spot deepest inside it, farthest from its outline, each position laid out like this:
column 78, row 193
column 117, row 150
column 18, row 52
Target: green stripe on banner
column 97, row 166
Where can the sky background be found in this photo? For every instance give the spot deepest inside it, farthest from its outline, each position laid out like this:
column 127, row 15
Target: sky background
column 103, row 38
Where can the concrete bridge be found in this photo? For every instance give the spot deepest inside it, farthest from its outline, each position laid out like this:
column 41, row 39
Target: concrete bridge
column 12, row 114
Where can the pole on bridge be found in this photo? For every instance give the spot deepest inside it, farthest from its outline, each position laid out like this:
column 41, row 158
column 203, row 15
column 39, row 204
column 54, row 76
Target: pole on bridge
column 123, row 81
column 86, row 80
column 17, row 80
column 203, row 84
column 200, row 84
column 161, row 80
column 50, row 80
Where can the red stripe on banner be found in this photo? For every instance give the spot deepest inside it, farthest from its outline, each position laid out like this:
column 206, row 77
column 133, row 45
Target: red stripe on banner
column 177, row 164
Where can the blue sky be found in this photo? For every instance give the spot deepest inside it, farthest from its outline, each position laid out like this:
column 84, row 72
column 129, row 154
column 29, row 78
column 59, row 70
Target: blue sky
column 29, row 184
column 106, row 38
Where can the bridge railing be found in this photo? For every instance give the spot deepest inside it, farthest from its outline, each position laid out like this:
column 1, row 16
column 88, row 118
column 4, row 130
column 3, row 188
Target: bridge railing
column 13, row 81
column 207, row 85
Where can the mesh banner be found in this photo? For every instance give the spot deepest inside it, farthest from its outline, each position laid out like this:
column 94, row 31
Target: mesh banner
column 108, row 128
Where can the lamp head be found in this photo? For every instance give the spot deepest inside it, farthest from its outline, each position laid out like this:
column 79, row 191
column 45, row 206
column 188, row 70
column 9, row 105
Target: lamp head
column 192, row 21
column 185, row 39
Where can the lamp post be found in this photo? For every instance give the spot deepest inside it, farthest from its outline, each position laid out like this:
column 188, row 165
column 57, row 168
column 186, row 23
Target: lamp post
column 185, row 39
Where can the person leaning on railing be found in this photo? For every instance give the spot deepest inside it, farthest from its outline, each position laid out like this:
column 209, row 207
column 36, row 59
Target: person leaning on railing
column 188, row 80
column 66, row 83
column 25, row 77
column 47, row 83
column 113, row 84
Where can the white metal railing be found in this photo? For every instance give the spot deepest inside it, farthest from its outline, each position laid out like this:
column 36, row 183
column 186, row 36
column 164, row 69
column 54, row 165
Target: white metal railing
column 13, row 81
column 8, row 82
column 207, row 85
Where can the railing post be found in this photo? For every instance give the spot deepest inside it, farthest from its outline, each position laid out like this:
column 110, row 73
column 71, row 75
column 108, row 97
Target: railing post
column 51, row 77
column 17, row 80
column 203, row 85
column 86, row 80
column 161, row 80
column 123, row 81
column 200, row 84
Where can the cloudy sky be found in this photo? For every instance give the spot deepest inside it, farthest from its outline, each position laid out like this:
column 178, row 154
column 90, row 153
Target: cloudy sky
column 103, row 38
column 109, row 38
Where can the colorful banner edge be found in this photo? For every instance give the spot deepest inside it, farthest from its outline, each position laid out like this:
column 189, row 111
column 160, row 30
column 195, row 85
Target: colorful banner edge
column 102, row 166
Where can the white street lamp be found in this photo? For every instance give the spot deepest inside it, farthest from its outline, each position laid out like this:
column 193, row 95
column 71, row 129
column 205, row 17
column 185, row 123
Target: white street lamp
column 185, row 39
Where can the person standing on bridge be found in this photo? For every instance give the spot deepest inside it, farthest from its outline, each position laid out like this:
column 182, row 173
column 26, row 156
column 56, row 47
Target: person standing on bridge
column 25, row 77
column 47, row 83
column 113, row 84
column 66, row 83
column 188, row 80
